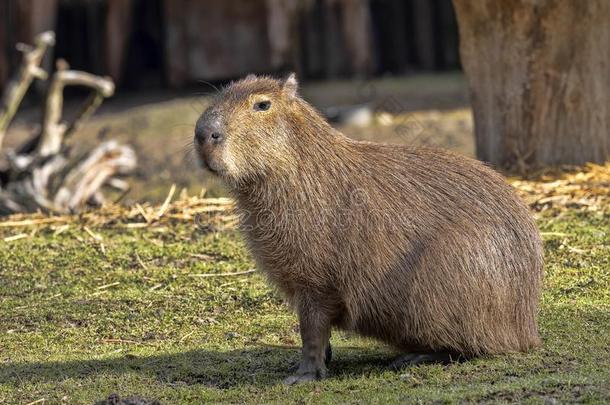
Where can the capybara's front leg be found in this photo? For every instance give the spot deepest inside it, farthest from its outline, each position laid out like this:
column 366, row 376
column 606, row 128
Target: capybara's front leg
column 315, row 335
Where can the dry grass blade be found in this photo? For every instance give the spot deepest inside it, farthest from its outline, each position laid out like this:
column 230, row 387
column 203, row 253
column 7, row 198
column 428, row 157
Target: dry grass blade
column 94, row 235
column 143, row 213
column 122, row 341
column 140, row 262
column 38, row 401
column 183, row 338
column 30, row 222
column 238, row 273
column 168, row 199
column 581, row 188
column 105, row 286
column 16, row 237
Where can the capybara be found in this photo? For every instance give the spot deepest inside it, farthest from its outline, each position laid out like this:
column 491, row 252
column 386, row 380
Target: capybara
column 425, row 250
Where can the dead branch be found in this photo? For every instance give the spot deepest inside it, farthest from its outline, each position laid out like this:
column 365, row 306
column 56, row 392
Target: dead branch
column 53, row 130
column 41, row 175
column 30, row 70
column 103, row 163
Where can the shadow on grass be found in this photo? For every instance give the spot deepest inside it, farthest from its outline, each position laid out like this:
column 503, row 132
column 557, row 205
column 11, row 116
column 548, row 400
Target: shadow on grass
column 214, row 369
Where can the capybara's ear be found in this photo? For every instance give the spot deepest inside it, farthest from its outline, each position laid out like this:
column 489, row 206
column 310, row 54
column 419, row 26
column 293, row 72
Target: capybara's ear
column 291, row 85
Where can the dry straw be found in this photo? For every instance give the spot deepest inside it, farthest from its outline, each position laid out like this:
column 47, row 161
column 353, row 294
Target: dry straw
column 585, row 188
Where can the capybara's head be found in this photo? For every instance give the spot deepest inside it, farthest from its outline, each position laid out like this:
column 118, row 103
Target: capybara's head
column 248, row 129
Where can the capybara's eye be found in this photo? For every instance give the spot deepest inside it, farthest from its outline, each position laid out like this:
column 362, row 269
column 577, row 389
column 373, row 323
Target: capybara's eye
column 262, row 106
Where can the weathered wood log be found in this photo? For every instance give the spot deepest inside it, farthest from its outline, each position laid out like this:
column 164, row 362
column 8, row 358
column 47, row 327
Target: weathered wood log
column 76, row 189
column 83, row 182
column 42, row 175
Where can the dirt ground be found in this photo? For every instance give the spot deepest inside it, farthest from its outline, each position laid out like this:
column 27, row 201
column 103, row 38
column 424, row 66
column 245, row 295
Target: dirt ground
column 420, row 110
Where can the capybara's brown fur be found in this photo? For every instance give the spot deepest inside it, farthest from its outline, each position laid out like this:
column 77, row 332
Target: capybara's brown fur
column 420, row 248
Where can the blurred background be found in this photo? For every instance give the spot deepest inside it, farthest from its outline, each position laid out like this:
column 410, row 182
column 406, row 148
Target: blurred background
column 173, row 43
column 386, row 70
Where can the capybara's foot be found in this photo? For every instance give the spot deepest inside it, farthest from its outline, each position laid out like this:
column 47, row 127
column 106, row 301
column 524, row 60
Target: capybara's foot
column 301, row 377
column 413, row 359
column 328, row 356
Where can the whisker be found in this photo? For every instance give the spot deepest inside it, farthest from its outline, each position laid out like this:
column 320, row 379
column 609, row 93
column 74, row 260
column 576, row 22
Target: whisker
column 186, row 148
column 209, row 84
column 190, row 160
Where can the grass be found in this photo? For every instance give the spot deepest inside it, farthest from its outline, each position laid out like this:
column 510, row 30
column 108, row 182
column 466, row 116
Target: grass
column 81, row 318
column 84, row 317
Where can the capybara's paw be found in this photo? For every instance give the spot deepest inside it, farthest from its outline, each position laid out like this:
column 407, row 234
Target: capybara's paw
column 413, row 359
column 301, row 377
column 296, row 379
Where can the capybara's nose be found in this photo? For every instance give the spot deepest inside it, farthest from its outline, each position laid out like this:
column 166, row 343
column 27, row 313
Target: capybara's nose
column 208, row 130
column 203, row 137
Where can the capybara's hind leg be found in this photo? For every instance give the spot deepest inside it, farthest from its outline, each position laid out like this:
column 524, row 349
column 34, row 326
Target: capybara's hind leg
column 413, row 359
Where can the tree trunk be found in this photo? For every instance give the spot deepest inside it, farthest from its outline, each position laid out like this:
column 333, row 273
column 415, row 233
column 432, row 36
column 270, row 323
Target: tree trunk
column 357, row 34
column 424, row 33
column 215, row 40
column 539, row 77
column 282, row 33
column 118, row 28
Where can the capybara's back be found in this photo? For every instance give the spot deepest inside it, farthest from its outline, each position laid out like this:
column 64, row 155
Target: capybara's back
column 428, row 251
column 443, row 254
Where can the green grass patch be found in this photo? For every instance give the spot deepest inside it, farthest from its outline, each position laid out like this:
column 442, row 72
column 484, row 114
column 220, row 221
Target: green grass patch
column 81, row 319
